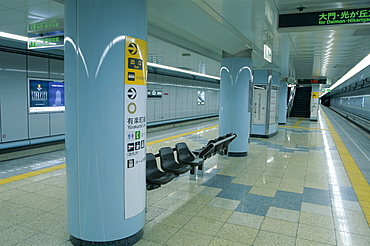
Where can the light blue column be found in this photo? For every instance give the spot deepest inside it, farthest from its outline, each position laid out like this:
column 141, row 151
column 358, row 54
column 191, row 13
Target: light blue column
column 235, row 111
column 96, row 120
column 283, row 97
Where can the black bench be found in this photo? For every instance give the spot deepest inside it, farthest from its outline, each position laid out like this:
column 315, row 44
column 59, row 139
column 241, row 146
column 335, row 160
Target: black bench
column 155, row 177
column 186, row 160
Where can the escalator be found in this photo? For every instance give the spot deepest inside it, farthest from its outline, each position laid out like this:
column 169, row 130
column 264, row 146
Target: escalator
column 302, row 101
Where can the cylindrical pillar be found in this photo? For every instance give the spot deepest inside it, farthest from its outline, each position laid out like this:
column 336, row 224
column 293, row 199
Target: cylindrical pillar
column 283, row 97
column 235, row 89
column 105, row 80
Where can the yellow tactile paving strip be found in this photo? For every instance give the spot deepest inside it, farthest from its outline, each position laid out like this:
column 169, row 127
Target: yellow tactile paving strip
column 358, row 181
column 299, row 121
column 180, row 135
column 31, row 174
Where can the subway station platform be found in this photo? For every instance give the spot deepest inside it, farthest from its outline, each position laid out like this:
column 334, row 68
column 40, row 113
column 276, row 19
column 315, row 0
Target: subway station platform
column 308, row 185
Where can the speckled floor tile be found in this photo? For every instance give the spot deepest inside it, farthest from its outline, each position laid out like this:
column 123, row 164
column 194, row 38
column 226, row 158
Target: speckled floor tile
column 224, row 203
column 316, row 209
column 215, row 213
column 42, row 239
column 189, row 238
column 316, row 220
column 283, row 214
column 263, row 191
column 218, row 241
column 273, row 239
column 358, row 226
column 205, row 190
column 237, row 233
column 244, row 219
column 158, row 233
column 346, row 238
column 203, row 226
column 15, row 234
column 318, row 234
column 172, row 218
column 305, row 242
column 280, row 226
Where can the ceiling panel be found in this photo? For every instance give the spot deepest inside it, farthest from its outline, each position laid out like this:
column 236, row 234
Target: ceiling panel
column 202, row 29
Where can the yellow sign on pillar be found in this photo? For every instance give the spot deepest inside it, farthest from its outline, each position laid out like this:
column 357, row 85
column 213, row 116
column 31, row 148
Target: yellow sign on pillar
column 135, row 64
column 315, row 95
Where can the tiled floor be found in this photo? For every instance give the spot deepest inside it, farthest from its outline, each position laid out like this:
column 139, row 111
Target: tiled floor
column 291, row 189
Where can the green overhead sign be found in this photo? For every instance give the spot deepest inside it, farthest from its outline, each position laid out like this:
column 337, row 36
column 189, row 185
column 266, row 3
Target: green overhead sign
column 325, row 18
column 46, row 25
column 46, row 42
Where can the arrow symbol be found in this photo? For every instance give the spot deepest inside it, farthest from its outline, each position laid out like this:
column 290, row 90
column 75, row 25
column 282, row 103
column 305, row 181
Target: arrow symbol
column 132, row 48
column 131, row 93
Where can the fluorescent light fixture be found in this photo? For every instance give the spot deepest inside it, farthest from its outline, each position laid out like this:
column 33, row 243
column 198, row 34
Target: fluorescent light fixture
column 13, row 36
column 356, row 69
column 182, row 70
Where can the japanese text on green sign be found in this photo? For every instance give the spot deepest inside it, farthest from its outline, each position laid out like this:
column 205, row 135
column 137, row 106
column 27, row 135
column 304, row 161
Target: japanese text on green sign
column 345, row 16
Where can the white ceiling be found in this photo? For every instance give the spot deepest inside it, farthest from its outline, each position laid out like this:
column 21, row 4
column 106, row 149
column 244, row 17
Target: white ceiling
column 205, row 28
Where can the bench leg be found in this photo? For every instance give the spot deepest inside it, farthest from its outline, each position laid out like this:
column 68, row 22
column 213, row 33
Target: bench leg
column 226, row 154
column 200, row 171
column 192, row 174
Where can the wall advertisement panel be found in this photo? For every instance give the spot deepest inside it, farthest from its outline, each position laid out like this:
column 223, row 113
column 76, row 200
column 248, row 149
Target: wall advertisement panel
column 46, row 96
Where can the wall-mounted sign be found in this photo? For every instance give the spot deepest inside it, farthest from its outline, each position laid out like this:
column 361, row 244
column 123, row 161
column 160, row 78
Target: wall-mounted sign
column 52, row 42
column 135, row 125
column 267, row 53
column 155, row 93
column 201, row 97
column 311, row 81
column 325, row 18
column 315, row 95
column 326, row 90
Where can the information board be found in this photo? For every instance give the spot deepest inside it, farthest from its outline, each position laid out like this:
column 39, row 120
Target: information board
column 135, row 125
column 325, row 18
column 259, row 104
column 51, row 42
column 273, row 104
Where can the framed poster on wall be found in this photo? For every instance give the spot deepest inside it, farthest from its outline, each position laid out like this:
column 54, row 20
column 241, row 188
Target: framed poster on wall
column 46, row 95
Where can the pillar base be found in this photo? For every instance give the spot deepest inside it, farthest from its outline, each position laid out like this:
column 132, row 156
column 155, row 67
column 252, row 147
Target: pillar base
column 238, row 154
column 128, row 241
column 264, row 136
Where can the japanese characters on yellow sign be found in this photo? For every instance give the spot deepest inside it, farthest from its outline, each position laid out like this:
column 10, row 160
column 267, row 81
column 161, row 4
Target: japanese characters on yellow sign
column 315, row 95
column 135, row 64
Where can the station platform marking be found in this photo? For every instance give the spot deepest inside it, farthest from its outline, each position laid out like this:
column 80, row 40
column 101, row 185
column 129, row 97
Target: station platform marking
column 31, row 174
column 357, row 179
column 61, row 166
column 298, row 122
column 180, row 135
